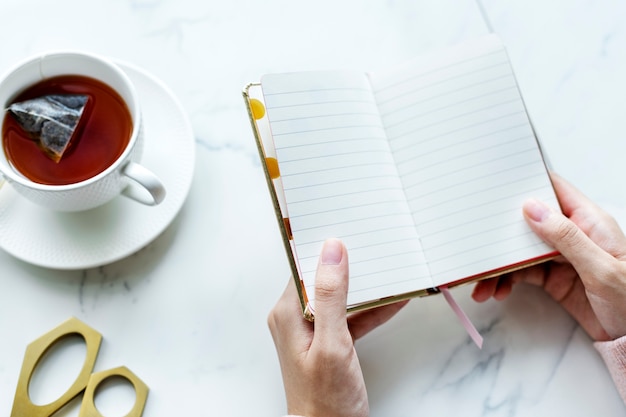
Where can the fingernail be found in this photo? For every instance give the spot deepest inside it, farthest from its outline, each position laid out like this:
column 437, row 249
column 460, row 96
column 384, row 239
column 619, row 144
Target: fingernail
column 536, row 210
column 332, row 252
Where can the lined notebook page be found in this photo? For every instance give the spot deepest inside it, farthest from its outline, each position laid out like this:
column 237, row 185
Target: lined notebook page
column 340, row 180
column 467, row 156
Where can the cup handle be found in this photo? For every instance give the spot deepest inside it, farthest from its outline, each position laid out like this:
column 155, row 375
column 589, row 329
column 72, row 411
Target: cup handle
column 147, row 180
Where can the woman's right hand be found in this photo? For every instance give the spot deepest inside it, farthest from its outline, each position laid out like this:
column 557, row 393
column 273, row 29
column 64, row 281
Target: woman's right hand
column 589, row 279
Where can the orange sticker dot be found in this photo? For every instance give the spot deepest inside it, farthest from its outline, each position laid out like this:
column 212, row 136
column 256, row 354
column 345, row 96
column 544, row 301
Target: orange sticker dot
column 272, row 167
column 258, row 109
column 287, row 224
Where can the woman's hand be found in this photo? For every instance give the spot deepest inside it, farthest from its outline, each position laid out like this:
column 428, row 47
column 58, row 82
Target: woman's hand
column 321, row 371
column 589, row 279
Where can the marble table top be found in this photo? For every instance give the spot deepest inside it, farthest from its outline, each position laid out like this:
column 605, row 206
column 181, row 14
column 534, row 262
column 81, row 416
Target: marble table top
column 187, row 310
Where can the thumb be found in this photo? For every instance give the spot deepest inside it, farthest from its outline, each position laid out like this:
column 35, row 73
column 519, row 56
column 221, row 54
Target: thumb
column 563, row 235
column 331, row 289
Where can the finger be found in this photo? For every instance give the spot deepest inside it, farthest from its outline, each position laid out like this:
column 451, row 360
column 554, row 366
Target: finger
column 570, row 198
column 484, row 290
column 364, row 322
column 504, row 288
column 331, row 290
column 562, row 234
column 575, row 204
column 595, row 222
column 285, row 320
column 536, row 275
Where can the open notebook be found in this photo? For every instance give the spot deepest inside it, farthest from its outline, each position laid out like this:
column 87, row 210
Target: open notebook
column 421, row 170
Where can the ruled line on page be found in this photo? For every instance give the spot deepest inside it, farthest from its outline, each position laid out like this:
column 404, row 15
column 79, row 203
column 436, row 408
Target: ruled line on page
column 467, row 156
column 340, row 180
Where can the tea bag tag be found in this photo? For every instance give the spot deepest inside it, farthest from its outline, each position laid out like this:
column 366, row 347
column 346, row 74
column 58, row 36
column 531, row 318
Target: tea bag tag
column 51, row 120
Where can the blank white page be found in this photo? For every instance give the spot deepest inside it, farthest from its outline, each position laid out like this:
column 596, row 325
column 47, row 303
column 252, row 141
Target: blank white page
column 340, row 180
column 467, row 156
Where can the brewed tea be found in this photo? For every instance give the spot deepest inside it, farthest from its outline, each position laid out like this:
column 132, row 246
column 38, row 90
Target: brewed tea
column 101, row 137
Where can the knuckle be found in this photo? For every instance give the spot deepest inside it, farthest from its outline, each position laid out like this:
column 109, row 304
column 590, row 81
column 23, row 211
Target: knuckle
column 324, row 289
column 615, row 275
column 337, row 352
column 277, row 317
column 567, row 232
column 272, row 321
column 607, row 218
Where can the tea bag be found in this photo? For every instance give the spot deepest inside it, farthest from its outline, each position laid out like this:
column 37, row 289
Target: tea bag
column 50, row 120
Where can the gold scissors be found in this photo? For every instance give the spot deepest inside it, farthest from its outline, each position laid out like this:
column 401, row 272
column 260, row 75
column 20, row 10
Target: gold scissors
column 86, row 380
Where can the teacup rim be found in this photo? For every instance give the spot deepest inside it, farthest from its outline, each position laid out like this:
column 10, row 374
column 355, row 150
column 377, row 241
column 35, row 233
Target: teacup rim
column 12, row 176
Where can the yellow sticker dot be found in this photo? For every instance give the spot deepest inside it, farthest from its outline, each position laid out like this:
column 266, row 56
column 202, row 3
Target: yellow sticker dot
column 258, row 109
column 272, row 167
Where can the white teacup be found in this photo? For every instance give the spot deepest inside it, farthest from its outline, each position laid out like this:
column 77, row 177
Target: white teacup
column 145, row 188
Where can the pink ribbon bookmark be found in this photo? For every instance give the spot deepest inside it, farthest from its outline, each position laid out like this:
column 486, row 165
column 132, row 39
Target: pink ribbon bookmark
column 465, row 321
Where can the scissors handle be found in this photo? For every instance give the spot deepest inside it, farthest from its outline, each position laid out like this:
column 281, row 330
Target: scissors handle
column 88, row 407
column 86, row 380
column 22, row 404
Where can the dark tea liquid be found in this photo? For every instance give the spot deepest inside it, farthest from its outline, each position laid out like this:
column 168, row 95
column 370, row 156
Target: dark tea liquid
column 102, row 134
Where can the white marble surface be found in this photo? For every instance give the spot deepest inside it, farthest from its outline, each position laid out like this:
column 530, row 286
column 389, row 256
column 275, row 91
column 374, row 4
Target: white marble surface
column 187, row 313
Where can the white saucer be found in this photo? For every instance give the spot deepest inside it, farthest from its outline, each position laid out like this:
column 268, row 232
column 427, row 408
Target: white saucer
column 121, row 227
